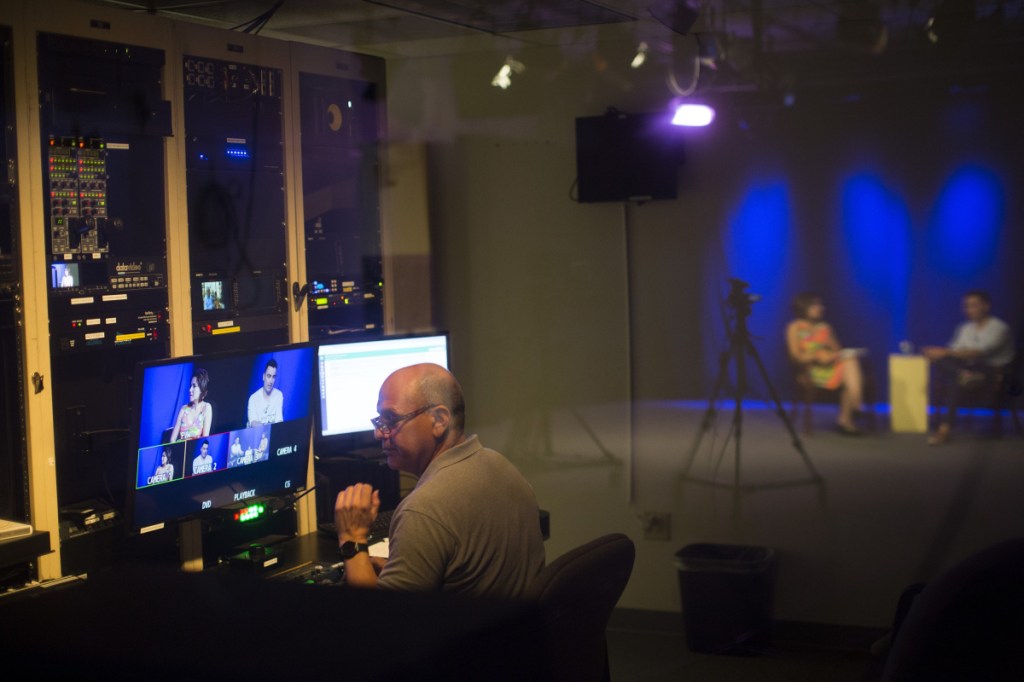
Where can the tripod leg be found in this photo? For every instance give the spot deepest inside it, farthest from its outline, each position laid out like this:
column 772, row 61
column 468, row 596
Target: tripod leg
column 709, row 413
column 608, row 454
column 779, row 410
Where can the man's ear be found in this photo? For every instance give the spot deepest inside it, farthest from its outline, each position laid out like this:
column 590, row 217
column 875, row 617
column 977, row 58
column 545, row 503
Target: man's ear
column 442, row 417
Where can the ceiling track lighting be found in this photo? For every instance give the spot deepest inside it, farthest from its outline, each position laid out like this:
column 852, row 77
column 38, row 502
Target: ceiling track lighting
column 503, row 79
column 688, row 112
column 949, row 24
column 641, row 55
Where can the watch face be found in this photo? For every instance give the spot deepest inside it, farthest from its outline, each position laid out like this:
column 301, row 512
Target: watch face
column 350, row 549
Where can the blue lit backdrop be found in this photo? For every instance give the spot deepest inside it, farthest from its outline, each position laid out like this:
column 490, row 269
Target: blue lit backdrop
column 890, row 261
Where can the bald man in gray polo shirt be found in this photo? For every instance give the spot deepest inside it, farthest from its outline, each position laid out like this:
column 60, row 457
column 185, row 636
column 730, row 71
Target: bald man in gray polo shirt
column 471, row 524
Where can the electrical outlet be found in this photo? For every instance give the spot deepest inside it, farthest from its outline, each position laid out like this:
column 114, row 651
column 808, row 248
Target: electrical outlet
column 657, row 526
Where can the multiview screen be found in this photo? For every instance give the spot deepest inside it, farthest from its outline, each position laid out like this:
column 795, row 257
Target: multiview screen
column 218, row 430
column 351, row 374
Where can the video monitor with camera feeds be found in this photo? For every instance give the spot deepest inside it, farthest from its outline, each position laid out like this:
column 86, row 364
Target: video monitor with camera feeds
column 218, row 431
column 350, row 375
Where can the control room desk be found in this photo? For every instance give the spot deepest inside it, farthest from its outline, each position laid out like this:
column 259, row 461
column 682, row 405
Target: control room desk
column 295, row 553
column 128, row 623
column 277, row 559
column 908, row 393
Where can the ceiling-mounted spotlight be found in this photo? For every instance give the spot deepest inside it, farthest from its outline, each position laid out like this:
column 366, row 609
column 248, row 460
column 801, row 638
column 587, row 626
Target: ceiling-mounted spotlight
column 694, row 115
column 950, row 23
column 709, row 50
column 503, row 78
column 641, row 56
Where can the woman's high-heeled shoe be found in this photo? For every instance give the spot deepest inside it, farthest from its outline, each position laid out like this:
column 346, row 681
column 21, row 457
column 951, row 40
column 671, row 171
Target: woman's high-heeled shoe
column 848, row 430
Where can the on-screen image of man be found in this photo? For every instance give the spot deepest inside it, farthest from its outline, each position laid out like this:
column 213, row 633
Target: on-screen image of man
column 470, row 525
column 203, row 462
column 266, row 405
column 978, row 351
column 236, row 452
column 261, row 453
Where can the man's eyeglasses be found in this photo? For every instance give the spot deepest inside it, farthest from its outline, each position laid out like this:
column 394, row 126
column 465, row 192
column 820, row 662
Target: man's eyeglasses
column 390, row 426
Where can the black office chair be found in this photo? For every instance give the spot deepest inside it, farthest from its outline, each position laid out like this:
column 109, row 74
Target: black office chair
column 577, row 593
column 967, row 624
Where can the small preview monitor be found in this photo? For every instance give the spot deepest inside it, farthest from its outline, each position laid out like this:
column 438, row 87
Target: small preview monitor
column 213, row 294
column 64, row 275
column 221, row 430
column 351, row 373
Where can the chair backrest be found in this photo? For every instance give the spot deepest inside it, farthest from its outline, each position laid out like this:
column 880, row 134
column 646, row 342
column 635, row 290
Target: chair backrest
column 1011, row 374
column 577, row 593
column 967, row 624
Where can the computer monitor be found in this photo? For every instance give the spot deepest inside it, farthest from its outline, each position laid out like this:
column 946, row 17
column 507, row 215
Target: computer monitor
column 350, row 375
column 219, row 431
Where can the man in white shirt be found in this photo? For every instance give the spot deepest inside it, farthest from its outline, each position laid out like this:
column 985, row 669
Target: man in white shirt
column 266, row 405
column 203, row 463
column 979, row 350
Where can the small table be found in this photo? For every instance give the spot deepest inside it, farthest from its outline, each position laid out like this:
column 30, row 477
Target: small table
column 908, row 393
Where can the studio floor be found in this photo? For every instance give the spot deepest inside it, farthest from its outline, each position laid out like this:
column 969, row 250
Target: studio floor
column 651, row 647
column 853, row 523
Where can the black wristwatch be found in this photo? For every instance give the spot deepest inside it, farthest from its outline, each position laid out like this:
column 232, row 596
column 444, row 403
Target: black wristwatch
column 350, row 549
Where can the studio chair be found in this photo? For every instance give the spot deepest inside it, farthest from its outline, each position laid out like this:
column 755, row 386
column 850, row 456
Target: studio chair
column 576, row 593
column 806, row 394
column 1008, row 392
column 1000, row 393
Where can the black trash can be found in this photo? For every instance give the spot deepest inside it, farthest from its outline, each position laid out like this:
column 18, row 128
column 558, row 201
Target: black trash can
column 727, row 593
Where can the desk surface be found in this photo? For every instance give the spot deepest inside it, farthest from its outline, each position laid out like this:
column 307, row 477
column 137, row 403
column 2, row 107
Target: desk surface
column 141, row 622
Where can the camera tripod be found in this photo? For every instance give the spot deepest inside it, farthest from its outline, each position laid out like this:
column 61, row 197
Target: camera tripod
column 740, row 346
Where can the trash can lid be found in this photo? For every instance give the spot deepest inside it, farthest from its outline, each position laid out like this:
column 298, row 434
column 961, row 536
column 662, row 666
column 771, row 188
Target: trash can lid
column 706, row 556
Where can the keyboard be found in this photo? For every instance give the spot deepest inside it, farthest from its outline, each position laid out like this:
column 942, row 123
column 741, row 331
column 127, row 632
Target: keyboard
column 379, row 529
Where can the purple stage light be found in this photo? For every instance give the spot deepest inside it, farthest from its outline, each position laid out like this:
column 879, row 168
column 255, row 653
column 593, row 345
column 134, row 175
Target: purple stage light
column 693, row 115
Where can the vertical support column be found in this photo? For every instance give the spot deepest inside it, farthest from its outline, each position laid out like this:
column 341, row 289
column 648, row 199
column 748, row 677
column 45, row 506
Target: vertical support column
column 190, row 537
column 42, row 471
column 405, row 234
